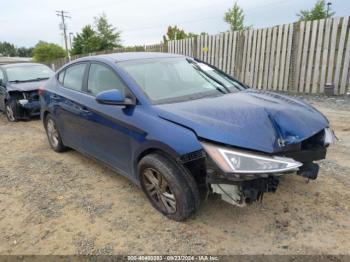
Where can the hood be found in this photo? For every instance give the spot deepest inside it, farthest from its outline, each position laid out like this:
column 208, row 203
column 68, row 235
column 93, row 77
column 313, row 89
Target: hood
column 251, row 119
column 26, row 86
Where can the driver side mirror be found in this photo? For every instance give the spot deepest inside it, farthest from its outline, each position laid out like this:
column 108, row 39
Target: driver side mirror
column 114, row 97
column 1, row 82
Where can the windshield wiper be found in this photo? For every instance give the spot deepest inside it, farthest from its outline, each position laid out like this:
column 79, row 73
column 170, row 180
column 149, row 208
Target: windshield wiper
column 37, row 79
column 15, row 81
column 196, row 66
column 29, row 80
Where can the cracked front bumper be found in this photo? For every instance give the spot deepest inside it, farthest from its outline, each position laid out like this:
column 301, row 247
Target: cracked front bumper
column 28, row 109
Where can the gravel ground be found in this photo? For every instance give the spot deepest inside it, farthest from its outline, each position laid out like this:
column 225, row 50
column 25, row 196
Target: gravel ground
column 68, row 204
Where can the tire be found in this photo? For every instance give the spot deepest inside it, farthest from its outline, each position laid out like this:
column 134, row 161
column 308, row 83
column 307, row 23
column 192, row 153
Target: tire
column 53, row 134
column 168, row 187
column 11, row 111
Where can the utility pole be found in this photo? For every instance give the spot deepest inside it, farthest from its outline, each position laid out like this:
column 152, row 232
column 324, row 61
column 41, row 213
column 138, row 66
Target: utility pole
column 64, row 15
column 328, row 7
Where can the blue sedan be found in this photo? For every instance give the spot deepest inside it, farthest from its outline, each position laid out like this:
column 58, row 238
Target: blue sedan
column 181, row 128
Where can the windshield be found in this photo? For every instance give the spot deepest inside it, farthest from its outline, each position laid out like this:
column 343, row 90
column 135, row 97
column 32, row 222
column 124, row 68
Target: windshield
column 178, row 79
column 28, row 73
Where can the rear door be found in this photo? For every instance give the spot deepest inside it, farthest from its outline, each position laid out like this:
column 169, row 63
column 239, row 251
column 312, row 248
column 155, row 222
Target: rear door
column 69, row 104
column 107, row 134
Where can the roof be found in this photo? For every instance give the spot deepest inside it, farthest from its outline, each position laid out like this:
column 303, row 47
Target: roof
column 18, row 64
column 120, row 57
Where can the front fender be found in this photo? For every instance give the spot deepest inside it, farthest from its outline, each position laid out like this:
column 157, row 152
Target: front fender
column 164, row 136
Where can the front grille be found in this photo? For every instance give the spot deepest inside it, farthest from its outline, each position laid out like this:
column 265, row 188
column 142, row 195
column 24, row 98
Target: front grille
column 32, row 95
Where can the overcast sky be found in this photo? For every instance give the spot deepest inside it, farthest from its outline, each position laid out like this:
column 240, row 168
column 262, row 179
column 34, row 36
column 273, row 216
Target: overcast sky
column 25, row 22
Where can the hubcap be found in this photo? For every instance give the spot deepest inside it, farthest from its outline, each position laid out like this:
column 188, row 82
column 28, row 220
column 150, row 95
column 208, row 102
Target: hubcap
column 52, row 133
column 159, row 191
column 9, row 113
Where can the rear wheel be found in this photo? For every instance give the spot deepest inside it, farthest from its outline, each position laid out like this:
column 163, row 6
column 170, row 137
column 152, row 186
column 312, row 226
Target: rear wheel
column 167, row 187
column 53, row 135
column 11, row 111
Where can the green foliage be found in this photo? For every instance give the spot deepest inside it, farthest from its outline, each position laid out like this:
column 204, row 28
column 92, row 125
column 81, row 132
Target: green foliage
column 175, row 33
column 108, row 36
column 103, row 37
column 25, row 52
column 45, row 52
column 8, row 49
column 319, row 11
column 86, row 42
column 235, row 18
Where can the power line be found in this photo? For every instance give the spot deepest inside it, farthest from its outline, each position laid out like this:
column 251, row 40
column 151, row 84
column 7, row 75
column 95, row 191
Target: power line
column 63, row 15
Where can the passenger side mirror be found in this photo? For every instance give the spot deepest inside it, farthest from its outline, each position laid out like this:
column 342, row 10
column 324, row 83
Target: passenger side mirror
column 114, row 97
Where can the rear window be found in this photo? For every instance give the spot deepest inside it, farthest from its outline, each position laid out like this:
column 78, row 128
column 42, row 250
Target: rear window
column 74, row 76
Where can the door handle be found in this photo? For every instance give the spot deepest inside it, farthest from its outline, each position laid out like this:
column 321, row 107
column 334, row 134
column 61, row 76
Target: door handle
column 84, row 110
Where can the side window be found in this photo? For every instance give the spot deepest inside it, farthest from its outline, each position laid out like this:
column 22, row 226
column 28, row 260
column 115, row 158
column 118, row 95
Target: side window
column 61, row 76
column 102, row 78
column 74, row 77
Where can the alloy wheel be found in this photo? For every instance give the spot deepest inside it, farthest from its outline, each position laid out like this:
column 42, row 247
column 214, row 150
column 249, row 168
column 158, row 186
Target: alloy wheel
column 10, row 114
column 159, row 191
column 52, row 133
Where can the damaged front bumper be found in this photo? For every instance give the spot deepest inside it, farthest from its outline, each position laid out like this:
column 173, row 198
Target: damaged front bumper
column 242, row 177
column 28, row 105
column 243, row 189
column 27, row 109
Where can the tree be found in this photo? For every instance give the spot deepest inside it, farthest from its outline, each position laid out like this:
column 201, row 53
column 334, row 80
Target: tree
column 45, row 52
column 108, row 35
column 174, row 33
column 102, row 37
column 25, row 52
column 8, row 49
column 235, row 18
column 86, row 42
column 319, row 11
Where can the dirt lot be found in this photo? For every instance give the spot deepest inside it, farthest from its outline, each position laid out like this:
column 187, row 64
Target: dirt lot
column 68, row 204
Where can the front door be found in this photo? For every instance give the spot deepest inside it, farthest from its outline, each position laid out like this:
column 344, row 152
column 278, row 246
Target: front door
column 107, row 132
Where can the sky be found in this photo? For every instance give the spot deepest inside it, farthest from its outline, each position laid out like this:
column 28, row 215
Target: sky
column 25, row 22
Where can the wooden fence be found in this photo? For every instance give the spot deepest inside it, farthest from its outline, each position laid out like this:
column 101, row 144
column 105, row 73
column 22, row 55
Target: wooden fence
column 300, row 57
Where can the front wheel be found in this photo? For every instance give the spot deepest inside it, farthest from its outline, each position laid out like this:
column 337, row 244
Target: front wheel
column 53, row 134
column 11, row 111
column 167, row 187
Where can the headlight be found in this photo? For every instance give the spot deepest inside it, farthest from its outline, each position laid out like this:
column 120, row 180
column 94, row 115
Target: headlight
column 237, row 161
column 329, row 137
